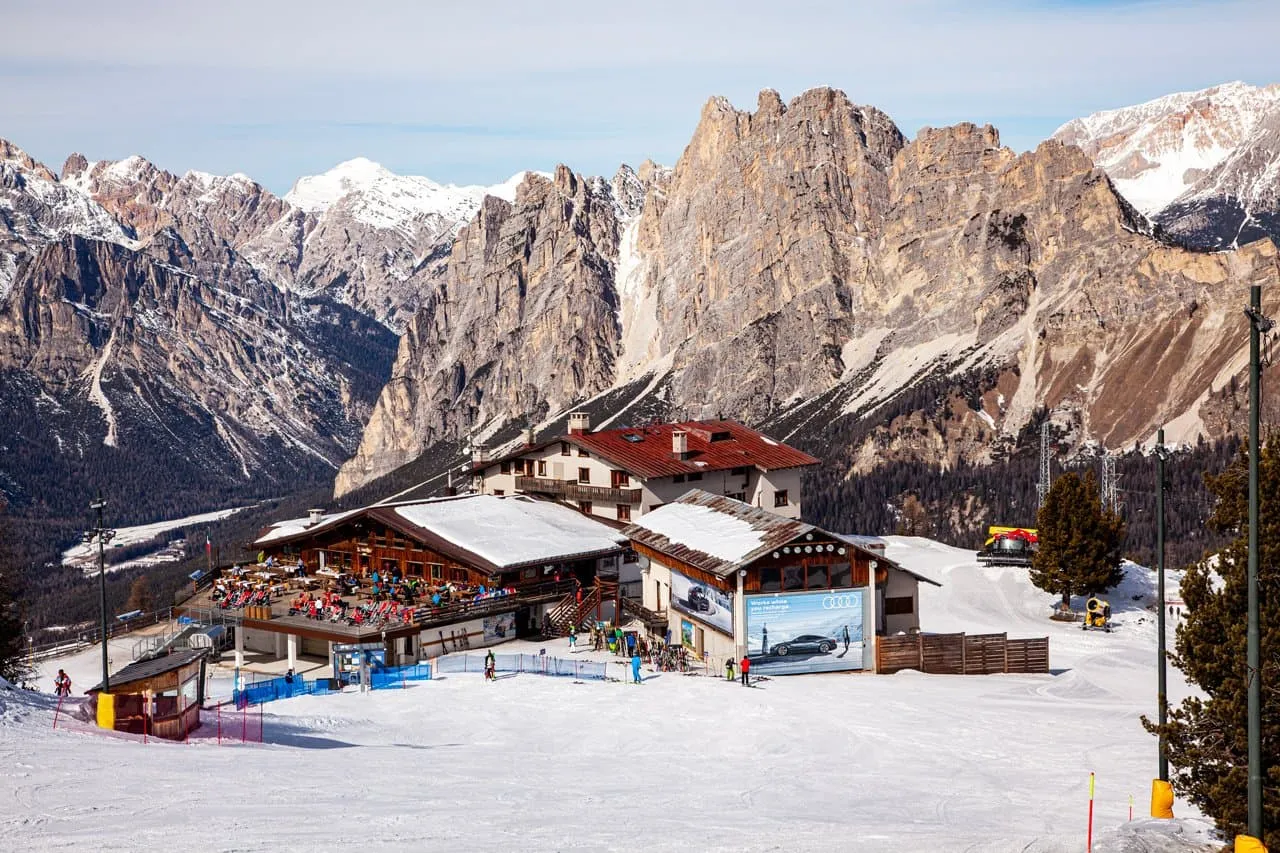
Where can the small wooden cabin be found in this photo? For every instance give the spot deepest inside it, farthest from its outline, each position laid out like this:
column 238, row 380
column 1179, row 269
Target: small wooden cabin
column 160, row 697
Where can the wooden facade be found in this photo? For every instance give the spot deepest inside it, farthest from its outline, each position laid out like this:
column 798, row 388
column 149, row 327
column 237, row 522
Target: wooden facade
column 366, row 545
column 363, row 547
column 795, row 570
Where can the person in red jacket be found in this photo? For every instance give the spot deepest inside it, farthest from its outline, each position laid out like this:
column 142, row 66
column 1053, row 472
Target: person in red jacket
column 745, row 667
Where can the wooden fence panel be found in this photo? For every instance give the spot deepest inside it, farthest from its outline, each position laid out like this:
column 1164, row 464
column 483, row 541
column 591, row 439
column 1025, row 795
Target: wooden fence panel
column 894, row 654
column 960, row 654
column 943, row 654
column 984, row 653
column 1029, row 655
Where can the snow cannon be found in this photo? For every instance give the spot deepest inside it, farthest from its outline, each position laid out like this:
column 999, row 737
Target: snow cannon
column 1248, row 844
column 1008, row 546
column 1097, row 614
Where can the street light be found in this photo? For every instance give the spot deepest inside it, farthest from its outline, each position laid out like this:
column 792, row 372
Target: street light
column 102, row 535
column 1162, row 699
column 1258, row 324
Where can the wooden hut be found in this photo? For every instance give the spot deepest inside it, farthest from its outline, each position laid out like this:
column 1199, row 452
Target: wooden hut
column 160, row 697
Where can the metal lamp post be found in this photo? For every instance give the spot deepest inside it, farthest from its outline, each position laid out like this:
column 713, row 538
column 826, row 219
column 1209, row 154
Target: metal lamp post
column 1162, row 698
column 102, row 535
column 1258, row 324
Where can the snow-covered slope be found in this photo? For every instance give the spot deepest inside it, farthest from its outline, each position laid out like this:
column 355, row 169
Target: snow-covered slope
column 1156, row 151
column 852, row 762
column 372, row 194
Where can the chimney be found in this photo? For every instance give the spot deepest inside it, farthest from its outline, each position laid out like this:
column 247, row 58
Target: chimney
column 579, row 423
column 679, row 444
column 479, row 453
column 528, row 437
column 314, row 515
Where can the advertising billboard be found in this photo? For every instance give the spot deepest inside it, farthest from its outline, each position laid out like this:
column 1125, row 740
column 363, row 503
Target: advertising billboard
column 795, row 632
column 703, row 602
column 501, row 627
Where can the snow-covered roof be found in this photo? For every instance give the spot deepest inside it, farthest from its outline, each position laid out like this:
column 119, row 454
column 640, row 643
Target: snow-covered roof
column 295, row 526
column 513, row 531
column 485, row 530
column 719, row 534
column 726, row 537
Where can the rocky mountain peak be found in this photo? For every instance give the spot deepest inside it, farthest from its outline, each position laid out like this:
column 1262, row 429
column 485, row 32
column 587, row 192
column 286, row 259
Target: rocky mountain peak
column 75, row 165
column 1156, row 151
column 21, row 160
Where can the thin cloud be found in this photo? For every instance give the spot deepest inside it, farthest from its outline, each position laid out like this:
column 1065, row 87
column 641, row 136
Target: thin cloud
column 471, row 93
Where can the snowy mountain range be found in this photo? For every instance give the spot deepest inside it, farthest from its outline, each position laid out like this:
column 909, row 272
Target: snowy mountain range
column 1204, row 166
column 805, row 267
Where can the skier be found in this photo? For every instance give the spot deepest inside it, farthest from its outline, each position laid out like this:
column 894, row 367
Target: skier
column 573, row 637
column 728, row 669
column 490, row 666
column 745, row 667
column 635, row 667
column 62, row 684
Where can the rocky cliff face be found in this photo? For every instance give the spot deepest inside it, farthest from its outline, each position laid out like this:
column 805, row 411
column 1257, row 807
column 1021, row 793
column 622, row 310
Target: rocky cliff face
column 803, row 264
column 128, row 310
column 520, row 321
column 1204, row 166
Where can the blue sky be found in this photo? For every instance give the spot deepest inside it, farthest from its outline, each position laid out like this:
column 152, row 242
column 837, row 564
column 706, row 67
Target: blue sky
column 471, row 93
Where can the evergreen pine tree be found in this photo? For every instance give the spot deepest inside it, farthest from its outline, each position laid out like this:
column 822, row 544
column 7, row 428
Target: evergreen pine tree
column 1079, row 548
column 13, row 666
column 1207, row 737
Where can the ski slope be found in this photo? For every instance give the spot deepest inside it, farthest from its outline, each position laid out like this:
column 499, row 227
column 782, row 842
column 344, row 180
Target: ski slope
column 907, row 762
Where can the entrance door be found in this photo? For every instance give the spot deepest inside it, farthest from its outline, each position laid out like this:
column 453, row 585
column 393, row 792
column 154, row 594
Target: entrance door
column 697, row 641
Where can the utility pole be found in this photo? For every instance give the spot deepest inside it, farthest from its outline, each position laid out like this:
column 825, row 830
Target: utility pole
column 101, row 533
column 1042, row 488
column 1258, row 324
column 1162, row 697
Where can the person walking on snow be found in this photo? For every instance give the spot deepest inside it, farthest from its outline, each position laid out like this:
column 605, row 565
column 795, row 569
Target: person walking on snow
column 573, row 637
column 490, row 666
column 62, row 684
column 745, row 667
column 635, row 667
column 728, row 669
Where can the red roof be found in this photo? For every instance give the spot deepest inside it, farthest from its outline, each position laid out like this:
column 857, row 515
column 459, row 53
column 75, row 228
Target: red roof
column 712, row 446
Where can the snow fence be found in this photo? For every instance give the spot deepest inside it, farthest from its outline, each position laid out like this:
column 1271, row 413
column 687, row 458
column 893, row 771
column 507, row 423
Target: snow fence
column 283, row 688
column 534, row 664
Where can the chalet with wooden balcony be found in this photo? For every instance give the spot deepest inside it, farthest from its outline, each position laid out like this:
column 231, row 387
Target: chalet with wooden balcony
column 735, row 580
column 620, row 474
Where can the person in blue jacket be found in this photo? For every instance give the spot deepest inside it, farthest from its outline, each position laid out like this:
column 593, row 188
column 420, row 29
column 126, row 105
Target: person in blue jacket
column 635, row 667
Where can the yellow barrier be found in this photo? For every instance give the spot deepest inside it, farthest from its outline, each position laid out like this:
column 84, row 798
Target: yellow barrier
column 1161, row 799
column 1248, row 844
column 106, row 711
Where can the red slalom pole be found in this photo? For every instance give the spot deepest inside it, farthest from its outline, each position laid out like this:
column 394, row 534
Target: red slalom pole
column 1089, row 846
column 219, row 707
column 262, row 721
column 1131, row 807
column 57, row 710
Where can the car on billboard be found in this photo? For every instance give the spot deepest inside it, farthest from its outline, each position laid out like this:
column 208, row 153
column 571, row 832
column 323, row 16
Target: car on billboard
column 811, row 643
column 699, row 601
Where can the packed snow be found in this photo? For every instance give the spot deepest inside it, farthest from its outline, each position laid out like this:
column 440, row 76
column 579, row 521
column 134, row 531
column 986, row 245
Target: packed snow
column 801, row 763
column 512, row 531
column 704, row 529
column 85, row 555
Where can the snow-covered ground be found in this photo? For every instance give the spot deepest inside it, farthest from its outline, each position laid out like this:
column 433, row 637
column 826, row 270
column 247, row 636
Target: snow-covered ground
column 85, row 555
column 907, row 762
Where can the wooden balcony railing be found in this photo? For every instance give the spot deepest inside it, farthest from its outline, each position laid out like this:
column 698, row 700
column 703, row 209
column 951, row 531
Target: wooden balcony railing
column 575, row 491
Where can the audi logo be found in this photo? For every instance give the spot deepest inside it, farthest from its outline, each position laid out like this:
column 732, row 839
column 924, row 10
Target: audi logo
column 841, row 602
